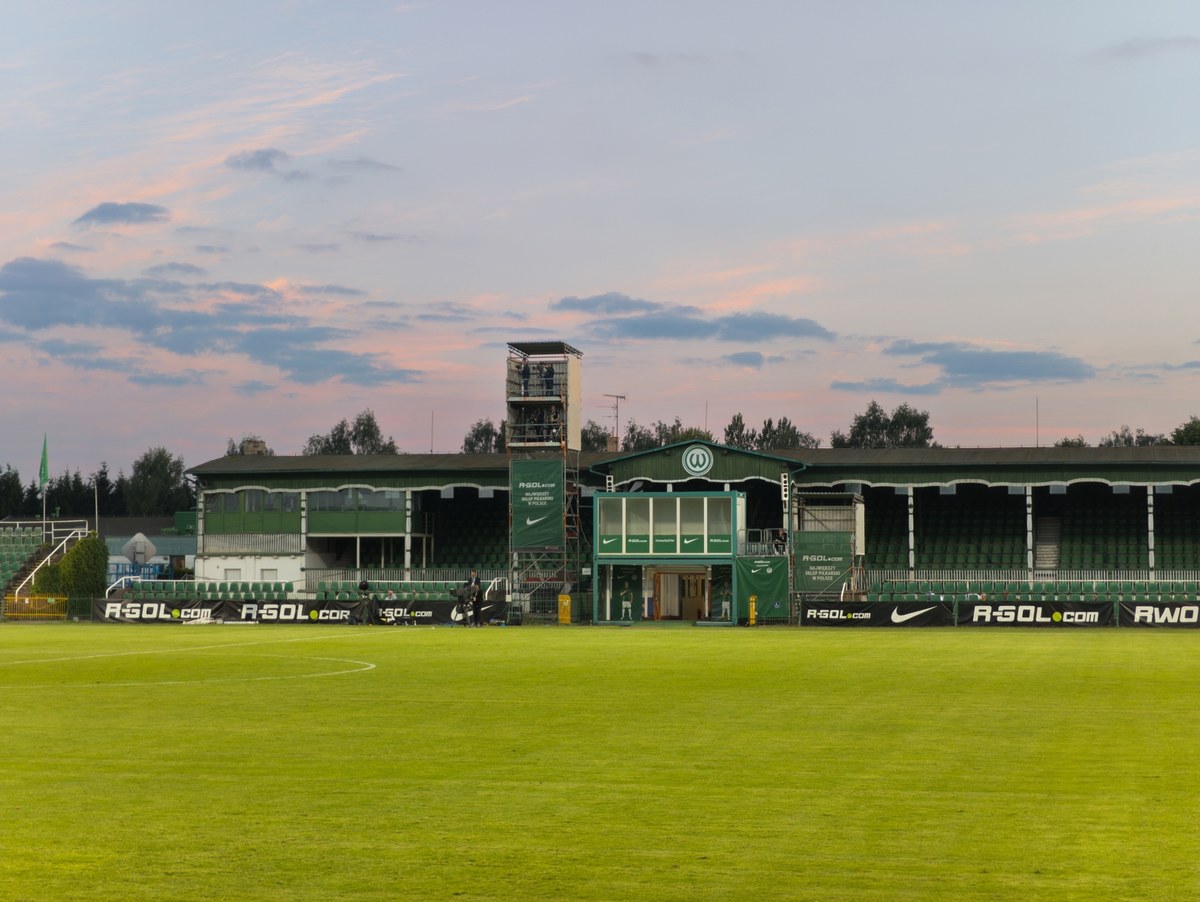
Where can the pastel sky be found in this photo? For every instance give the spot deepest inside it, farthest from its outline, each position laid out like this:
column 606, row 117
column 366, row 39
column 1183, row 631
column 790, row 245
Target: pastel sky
column 226, row 218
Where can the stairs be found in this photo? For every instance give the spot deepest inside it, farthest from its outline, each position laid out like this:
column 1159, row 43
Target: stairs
column 1047, row 543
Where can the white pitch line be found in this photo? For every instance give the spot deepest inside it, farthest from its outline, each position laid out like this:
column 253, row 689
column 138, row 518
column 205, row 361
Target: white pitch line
column 362, row 667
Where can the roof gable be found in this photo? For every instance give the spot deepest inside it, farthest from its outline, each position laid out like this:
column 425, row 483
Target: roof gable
column 697, row 459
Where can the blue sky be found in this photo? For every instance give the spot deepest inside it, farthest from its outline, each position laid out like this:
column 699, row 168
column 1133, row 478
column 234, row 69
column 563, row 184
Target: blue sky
column 221, row 219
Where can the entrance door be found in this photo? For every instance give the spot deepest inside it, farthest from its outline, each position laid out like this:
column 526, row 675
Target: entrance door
column 680, row 596
column 693, row 588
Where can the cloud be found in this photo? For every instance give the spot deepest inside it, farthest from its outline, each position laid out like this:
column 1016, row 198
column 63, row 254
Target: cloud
column 175, row 269
column 296, row 175
column 264, row 160
column 338, row 290
column 967, row 366
column 763, row 326
column 252, row 388
column 448, row 313
column 752, row 359
column 110, row 213
column 1142, row 48
column 363, row 164
column 214, row 249
column 40, row 295
column 72, row 248
column 887, row 386
column 318, row 248
column 175, row 379
column 688, row 323
column 612, row 303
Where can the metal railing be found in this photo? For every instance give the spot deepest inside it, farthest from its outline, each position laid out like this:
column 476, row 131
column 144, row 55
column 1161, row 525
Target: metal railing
column 62, row 535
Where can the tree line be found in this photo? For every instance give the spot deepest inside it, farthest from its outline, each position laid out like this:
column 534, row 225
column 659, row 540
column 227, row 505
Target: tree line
column 903, row 427
column 155, row 486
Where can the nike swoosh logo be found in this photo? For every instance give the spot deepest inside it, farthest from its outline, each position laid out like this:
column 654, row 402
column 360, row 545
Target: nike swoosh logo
column 897, row 617
column 609, row 541
column 529, row 521
column 689, row 541
column 761, row 569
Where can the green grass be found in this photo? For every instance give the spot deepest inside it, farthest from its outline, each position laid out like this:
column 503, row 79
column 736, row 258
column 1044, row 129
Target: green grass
column 309, row 762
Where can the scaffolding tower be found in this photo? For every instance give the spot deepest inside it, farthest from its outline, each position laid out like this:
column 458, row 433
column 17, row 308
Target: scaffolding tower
column 543, row 430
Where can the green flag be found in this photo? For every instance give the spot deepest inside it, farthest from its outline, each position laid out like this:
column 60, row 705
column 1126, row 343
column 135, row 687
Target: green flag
column 44, row 473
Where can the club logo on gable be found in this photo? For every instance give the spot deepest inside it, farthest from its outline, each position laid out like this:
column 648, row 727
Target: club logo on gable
column 697, row 460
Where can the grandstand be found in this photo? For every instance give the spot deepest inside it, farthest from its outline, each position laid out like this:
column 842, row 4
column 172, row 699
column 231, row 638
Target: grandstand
column 1054, row 525
column 700, row 531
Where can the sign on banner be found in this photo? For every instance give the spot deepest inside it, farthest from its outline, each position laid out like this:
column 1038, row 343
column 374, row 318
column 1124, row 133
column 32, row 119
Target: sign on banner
column 868, row 613
column 1048, row 614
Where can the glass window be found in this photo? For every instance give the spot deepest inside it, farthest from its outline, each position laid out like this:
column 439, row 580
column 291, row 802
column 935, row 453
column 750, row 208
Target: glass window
column 691, row 516
column 222, row 503
column 637, row 516
column 254, row 500
column 271, row 502
column 290, row 501
column 720, row 516
column 341, row 500
column 665, row 510
column 381, row 500
column 610, row 516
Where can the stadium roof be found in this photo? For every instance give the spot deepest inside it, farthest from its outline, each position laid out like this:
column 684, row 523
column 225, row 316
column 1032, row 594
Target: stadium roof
column 1154, row 464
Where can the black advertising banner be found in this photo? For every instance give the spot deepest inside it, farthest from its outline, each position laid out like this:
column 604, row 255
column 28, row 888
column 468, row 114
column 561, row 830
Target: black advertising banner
column 1035, row 613
column 425, row 613
column 348, row 612
column 870, row 613
column 115, row 611
column 1176, row 614
column 193, row 611
column 537, row 504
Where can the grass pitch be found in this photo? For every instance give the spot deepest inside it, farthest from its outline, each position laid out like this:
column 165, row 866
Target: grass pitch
column 276, row 762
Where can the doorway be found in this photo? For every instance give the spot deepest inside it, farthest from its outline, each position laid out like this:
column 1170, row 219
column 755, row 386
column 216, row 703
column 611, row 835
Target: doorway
column 681, row 595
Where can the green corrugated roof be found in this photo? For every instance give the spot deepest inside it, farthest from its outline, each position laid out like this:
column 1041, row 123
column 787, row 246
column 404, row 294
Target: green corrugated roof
column 820, row 467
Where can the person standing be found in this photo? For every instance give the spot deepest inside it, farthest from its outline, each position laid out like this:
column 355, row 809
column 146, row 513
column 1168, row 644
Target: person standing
column 471, row 589
column 548, row 380
column 524, row 378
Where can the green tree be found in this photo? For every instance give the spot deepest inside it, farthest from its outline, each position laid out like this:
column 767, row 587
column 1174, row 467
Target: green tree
column 1187, row 433
column 738, row 435
column 670, row 433
column 484, row 437
column 905, row 427
column 1125, row 438
column 593, row 437
column 362, row 437
column 82, row 572
column 11, row 492
column 111, row 498
column 638, row 438
column 157, row 486
column 84, row 569
column 784, row 435
column 1067, row 442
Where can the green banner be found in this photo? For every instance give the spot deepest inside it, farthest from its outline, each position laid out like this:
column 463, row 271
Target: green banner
column 537, row 504
column 765, row 579
column 823, row 560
